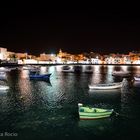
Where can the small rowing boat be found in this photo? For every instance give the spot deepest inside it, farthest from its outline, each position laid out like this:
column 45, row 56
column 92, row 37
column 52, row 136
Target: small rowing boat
column 121, row 73
column 106, row 86
column 87, row 113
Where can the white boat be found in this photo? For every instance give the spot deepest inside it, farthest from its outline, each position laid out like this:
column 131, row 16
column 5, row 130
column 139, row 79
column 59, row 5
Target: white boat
column 2, row 87
column 106, row 86
column 27, row 68
column 70, row 70
column 14, row 68
column 2, row 69
column 137, row 78
column 120, row 73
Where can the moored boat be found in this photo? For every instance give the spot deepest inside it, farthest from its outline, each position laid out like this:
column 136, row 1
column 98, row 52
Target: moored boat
column 40, row 76
column 106, row 86
column 87, row 113
column 137, row 78
column 67, row 69
column 3, row 88
column 121, row 73
column 3, row 69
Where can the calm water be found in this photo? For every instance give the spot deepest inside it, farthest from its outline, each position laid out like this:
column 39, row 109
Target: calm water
column 48, row 110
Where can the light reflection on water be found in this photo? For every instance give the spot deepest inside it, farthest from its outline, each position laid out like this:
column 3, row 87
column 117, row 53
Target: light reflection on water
column 96, row 77
column 43, row 106
column 125, row 68
column 25, row 91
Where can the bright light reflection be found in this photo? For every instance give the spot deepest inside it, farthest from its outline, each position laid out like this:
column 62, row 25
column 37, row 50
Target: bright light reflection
column 109, row 77
column 110, row 69
column 43, row 70
column 124, row 68
column 59, row 68
column 96, row 69
column 96, row 77
column 51, row 69
column 25, row 90
column 24, row 73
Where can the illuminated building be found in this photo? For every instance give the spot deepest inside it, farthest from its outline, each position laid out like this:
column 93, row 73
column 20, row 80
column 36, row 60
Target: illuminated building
column 3, row 53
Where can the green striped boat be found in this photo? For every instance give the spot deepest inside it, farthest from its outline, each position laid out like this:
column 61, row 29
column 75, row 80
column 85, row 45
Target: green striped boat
column 87, row 113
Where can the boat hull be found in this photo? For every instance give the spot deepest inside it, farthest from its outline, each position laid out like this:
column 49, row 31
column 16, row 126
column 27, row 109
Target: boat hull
column 45, row 76
column 137, row 78
column 105, row 87
column 93, row 118
column 121, row 74
column 67, row 71
column 86, row 113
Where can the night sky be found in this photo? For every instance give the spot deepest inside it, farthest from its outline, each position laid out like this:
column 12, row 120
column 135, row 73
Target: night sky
column 75, row 31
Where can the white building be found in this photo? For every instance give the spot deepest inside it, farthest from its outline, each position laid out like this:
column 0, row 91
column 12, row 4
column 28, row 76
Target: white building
column 96, row 61
column 3, row 53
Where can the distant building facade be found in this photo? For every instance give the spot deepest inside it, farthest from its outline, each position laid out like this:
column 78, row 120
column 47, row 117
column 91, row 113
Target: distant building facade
column 3, row 53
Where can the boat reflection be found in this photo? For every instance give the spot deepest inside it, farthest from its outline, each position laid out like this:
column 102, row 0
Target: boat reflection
column 96, row 126
column 47, row 81
column 108, row 96
column 110, row 91
column 136, row 84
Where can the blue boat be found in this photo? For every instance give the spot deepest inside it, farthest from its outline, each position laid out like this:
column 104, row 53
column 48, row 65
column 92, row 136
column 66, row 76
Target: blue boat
column 40, row 76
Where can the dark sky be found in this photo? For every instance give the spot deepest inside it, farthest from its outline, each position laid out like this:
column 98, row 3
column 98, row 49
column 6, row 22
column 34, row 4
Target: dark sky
column 82, row 30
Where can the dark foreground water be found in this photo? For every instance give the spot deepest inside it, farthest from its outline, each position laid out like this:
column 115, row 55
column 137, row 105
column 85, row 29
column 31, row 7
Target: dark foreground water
column 48, row 110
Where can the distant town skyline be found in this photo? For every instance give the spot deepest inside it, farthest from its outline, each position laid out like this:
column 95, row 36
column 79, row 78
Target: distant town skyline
column 75, row 31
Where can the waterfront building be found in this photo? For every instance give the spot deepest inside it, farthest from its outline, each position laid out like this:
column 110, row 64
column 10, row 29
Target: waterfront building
column 67, row 58
column 47, row 57
column 11, row 56
column 64, row 57
column 134, row 56
column 3, row 53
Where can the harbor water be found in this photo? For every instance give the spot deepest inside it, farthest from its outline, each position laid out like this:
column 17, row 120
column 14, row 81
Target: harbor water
column 32, row 109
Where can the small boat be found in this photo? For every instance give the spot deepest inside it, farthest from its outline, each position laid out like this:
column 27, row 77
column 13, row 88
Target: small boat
column 106, row 86
column 12, row 68
column 40, row 76
column 3, row 88
column 137, row 78
column 3, row 69
column 88, row 113
column 67, row 69
column 121, row 73
column 70, row 70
